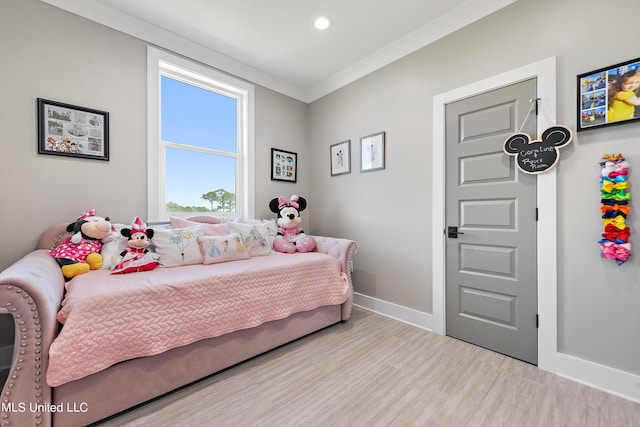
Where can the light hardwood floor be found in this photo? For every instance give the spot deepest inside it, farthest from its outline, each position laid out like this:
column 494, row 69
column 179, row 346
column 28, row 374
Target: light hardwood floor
column 375, row 371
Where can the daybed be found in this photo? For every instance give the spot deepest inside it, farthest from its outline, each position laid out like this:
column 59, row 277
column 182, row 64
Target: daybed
column 33, row 291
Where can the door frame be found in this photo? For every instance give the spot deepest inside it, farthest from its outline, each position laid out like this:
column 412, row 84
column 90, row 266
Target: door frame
column 545, row 73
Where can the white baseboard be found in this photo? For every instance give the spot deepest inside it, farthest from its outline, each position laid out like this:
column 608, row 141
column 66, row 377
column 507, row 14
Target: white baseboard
column 613, row 381
column 6, row 357
column 394, row 311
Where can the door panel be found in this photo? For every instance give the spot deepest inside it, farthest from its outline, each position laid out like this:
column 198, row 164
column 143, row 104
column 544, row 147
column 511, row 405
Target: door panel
column 495, row 214
column 491, row 285
column 485, row 168
column 489, row 260
column 488, row 306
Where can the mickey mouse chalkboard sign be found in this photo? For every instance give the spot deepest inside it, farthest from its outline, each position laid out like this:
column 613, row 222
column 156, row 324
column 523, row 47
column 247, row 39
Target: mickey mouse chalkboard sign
column 539, row 155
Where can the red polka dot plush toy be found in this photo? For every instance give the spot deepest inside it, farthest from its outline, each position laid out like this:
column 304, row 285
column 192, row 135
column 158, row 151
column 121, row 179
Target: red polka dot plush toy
column 291, row 237
column 81, row 252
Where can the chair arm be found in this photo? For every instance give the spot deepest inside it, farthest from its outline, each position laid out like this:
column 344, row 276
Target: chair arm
column 343, row 250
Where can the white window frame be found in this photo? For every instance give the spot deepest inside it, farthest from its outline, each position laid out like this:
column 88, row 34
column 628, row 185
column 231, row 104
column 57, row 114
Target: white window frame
column 161, row 63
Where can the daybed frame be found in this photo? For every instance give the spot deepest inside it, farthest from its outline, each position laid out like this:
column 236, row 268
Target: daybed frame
column 33, row 296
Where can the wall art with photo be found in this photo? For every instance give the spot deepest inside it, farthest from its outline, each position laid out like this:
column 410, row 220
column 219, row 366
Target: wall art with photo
column 284, row 165
column 609, row 96
column 72, row 131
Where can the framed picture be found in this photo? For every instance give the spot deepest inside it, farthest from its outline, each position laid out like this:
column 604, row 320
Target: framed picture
column 609, row 96
column 341, row 158
column 284, row 165
column 69, row 130
column 372, row 152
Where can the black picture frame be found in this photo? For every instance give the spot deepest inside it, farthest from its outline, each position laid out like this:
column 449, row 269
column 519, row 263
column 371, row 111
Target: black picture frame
column 284, row 165
column 598, row 105
column 72, row 131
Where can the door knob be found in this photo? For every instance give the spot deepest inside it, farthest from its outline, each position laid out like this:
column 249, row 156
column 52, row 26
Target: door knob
column 453, row 232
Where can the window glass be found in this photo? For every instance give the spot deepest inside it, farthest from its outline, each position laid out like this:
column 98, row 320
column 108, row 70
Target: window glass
column 201, row 140
column 195, row 116
column 192, row 177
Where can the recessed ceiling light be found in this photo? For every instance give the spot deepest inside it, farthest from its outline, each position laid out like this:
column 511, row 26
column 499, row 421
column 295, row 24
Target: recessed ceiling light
column 322, row 23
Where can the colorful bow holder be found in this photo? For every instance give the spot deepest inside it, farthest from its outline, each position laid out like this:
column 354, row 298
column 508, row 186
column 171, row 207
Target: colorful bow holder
column 614, row 191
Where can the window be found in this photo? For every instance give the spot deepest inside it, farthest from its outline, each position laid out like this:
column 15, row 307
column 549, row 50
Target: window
column 200, row 144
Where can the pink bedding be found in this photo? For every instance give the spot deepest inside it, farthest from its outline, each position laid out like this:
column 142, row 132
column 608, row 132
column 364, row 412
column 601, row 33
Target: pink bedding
column 110, row 318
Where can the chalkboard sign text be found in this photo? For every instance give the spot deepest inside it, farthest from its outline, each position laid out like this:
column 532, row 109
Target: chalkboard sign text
column 539, row 155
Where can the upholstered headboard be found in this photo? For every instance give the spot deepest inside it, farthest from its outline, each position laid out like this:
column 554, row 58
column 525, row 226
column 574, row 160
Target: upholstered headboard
column 53, row 236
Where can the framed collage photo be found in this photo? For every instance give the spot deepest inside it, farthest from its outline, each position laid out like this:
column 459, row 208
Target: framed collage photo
column 609, row 96
column 72, row 131
column 284, row 165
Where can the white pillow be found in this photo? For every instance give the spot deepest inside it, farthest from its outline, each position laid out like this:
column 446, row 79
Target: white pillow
column 113, row 248
column 216, row 249
column 178, row 246
column 210, row 229
column 269, row 227
column 256, row 237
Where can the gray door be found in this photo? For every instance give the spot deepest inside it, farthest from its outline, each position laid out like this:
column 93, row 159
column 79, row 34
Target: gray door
column 491, row 284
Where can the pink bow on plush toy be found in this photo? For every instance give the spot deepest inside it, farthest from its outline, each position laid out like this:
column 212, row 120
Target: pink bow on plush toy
column 293, row 202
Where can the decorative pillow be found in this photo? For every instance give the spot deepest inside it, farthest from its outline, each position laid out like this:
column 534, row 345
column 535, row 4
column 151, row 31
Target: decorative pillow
column 267, row 226
column 255, row 237
column 216, row 249
column 113, row 248
column 204, row 219
column 210, row 229
column 178, row 246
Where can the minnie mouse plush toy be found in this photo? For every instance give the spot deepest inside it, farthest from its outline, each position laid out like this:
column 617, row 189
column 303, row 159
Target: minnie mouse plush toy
column 291, row 237
column 81, row 252
column 137, row 257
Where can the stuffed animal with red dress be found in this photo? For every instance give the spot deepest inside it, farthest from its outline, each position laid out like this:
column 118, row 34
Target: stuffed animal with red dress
column 137, row 257
column 81, row 252
column 291, row 237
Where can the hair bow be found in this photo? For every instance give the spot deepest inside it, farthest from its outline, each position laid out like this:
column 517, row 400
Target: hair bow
column 609, row 186
column 616, row 194
column 621, row 172
column 618, row 222
column 611, row 232
column 612, row 157
column 620, row 253
column 614, row 178
column 622, row 209
column 87, row 214
column 293, row 202
column 614, row 214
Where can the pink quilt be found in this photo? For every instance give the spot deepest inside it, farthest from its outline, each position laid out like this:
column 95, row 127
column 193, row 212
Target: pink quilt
column 111, row 318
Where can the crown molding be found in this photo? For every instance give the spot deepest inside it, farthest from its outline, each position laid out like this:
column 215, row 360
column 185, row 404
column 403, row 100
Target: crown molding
column 458, row 18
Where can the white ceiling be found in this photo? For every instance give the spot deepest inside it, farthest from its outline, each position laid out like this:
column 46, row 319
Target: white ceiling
column 273, row 43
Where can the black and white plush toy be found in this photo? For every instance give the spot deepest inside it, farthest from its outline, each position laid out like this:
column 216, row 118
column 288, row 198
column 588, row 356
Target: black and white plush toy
column 291, row 237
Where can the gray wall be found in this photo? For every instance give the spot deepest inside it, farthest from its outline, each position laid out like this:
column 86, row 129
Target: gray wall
column 388, row 212
column 52, row 54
